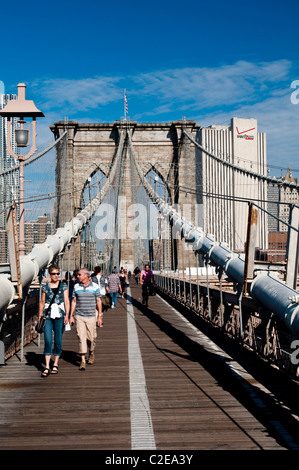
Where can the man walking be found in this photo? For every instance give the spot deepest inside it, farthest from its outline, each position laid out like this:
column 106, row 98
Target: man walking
column 114, row 286
column 87, row 306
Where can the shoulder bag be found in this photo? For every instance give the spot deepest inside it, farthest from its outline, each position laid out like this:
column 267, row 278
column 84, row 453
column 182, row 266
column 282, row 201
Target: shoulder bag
column 39, row 327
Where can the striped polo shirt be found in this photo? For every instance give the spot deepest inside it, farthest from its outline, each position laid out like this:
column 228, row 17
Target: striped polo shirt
column 86, row 299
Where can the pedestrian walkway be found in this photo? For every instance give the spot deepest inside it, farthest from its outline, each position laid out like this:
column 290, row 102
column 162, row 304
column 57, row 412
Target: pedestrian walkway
column 152, row 386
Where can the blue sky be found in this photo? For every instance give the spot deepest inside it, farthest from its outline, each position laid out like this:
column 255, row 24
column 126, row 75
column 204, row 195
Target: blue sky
column 207, row 61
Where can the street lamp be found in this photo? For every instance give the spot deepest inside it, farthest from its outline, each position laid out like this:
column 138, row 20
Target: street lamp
column 21, row 108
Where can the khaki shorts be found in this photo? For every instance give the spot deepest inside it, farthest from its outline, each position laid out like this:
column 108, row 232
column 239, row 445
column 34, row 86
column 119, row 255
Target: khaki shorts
column 86, row 328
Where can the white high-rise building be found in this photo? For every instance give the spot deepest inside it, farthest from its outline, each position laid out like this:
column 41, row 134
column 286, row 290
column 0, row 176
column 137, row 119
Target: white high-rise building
column 9, row 182
column 224, row 209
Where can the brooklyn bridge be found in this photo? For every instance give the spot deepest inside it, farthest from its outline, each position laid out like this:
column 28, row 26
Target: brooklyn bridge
column 211, row 363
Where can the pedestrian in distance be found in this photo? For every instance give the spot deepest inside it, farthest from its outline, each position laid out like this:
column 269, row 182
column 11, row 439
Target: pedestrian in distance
column 146, row 281
column 75, row 276
column 137, row 274
column 99, row 279
column 55, row 305
column 86, row 309
column 114, row 287
column 69, row 283
column 123, row 282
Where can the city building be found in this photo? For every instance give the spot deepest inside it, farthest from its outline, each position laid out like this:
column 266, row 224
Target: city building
column 36, row 231
column 273, row 207
column 223, row 207
column 9, row 181
column 280, row 200
column 3, row 247
column 287, row 197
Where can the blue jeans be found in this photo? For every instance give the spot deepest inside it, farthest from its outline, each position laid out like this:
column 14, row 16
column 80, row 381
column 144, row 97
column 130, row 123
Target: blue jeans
column 113, row 298
column 57, row 327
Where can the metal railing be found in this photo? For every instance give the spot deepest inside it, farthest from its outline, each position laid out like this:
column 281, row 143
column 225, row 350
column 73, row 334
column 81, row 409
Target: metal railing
column 267, row 290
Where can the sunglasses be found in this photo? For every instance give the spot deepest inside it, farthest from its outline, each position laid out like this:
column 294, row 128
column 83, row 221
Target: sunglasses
column 54, row 274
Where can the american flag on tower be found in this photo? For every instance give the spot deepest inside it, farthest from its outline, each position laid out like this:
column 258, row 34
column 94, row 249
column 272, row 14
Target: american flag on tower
column 126, row 102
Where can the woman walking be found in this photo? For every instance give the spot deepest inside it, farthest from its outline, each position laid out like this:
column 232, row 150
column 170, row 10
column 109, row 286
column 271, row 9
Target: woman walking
column 55, row 305
column 123, row 282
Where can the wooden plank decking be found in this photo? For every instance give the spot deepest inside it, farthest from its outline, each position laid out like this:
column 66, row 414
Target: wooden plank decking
column 191, row 402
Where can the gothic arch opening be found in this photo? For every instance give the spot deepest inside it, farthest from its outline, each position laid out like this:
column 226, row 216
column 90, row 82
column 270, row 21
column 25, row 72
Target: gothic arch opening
column 88, row 242
column 161, row 245
column 92, row 186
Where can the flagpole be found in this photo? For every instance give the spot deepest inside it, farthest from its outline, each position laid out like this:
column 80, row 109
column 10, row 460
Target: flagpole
column 125, row 104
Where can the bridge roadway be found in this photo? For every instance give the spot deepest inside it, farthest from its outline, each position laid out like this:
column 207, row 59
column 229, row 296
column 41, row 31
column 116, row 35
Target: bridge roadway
column 158, row 383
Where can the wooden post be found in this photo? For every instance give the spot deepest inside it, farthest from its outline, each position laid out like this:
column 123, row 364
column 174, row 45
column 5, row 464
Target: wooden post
column 292, row 249
column 250, row 247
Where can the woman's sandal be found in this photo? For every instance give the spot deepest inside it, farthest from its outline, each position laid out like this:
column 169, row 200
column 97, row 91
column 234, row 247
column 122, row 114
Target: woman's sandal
column 55, row 370
column 45, row 373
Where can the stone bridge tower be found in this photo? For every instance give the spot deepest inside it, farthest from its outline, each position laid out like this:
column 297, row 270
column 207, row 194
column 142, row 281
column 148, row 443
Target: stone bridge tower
column 158, row 146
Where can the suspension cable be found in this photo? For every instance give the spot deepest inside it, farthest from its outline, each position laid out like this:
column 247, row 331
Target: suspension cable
column 34, row 158
column 269, row 179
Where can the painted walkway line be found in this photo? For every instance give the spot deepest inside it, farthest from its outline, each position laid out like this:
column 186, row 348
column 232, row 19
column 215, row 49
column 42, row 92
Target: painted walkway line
column 142, row 433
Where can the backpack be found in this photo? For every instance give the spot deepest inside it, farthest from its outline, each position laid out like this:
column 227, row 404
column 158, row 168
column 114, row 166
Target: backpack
column 106, row 302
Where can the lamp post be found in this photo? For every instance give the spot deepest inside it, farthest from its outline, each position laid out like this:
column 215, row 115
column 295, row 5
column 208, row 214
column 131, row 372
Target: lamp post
column 21, row 108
